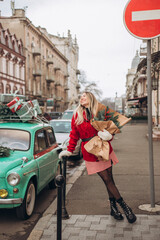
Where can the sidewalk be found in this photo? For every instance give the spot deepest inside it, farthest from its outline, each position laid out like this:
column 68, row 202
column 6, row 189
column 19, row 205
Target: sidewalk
column 87, row 199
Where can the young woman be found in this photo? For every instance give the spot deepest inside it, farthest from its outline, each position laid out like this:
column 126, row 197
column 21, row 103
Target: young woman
column 82, row 128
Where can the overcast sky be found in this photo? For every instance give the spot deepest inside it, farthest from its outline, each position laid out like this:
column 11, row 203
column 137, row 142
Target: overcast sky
column 106, row 49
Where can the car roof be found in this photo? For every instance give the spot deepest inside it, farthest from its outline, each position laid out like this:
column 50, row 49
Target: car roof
column 23, row 126
column 60, row 120
column 69, row 110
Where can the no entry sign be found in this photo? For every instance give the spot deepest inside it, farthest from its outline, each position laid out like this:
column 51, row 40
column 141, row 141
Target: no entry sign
column 142, row 18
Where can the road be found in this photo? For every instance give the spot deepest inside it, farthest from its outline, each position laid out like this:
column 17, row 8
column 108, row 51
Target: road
column 12, row 228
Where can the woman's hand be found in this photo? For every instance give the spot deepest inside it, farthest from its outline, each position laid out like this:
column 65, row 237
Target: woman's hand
column 65, row 153
column 105, row 135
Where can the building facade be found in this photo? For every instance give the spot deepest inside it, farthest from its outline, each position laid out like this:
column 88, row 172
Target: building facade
column 46, row 67
column 69, row 48
column 131, row 101
column 12, row 63
column 137, row 90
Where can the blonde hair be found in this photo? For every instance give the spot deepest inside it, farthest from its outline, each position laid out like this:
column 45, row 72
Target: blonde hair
column 93, row 106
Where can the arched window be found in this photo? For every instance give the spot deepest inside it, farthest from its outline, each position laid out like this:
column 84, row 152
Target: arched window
column 13, row 45
column 8, row 88
column 21, row 91
column 14, row 89
column 6, row 40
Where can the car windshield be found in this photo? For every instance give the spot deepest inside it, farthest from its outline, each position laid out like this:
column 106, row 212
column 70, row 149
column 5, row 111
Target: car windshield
column 67, row 115
column 61, row 126
column 15, row 139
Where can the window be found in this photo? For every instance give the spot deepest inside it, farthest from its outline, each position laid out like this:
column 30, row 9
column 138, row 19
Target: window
column 15, row 139
column 51, row 136
column 7, row 66
column 40, row 141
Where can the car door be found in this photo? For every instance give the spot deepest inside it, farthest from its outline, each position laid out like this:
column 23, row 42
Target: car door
column 54, row 150
column 43, row 156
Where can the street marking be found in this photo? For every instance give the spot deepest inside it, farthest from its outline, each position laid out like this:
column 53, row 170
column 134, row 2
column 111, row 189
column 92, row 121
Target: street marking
column 146, row 15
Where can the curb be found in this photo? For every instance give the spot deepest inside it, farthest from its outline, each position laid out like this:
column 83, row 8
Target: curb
column 43, row 221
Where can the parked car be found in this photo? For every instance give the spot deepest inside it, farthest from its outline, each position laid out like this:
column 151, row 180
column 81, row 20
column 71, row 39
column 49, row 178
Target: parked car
column 68, row 114
column 55, row 115
column 28, row 162
column 62, row 128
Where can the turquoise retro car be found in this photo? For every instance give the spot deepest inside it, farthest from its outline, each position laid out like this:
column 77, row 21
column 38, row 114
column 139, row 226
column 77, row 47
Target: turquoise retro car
column 28, row 162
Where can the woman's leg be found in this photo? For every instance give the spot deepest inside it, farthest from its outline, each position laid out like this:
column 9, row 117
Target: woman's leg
column 114, row 196
column 113, row 192
column 108, row 180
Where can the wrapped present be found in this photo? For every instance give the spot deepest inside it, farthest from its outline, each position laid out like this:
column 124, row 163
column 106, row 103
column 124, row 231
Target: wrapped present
column 99, row 148
column 26, row 112
column 36, row 106
column 31, row 103
column 15, row 104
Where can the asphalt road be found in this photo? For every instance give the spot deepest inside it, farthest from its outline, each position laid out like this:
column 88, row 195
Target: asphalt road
column 12, row 228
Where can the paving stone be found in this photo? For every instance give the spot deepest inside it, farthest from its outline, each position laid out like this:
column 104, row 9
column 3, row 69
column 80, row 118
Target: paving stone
column 101, row 236
column 97, row 227
column 88, row 233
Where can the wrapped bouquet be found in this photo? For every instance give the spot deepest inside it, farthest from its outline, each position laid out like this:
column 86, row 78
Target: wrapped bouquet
column 109, row 120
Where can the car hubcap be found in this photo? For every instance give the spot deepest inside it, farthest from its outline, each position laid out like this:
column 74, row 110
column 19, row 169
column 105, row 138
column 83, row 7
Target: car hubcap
column 30, row 200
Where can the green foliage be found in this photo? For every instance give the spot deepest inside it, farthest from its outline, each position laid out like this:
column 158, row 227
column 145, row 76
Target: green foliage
column 4, row 151
column 6, row 113
column 105, row 115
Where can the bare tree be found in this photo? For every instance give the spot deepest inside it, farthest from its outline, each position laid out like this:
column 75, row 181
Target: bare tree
column 88, row 85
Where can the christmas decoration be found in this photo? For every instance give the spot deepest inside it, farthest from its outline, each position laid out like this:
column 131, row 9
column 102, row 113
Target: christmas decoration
column 109, row 120
column 6, row 113
column 15, row 104
column 106, row 115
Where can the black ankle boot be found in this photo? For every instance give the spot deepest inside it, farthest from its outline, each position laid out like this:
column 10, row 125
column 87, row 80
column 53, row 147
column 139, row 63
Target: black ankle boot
column 131, row 217
column 114, row 210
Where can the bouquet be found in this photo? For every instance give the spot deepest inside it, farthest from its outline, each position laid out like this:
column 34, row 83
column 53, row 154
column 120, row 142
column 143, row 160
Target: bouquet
column 109, row 120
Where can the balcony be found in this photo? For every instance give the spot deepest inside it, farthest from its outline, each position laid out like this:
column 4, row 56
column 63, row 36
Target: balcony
column 50, row 79
column 66, row 76
column 38, row 94
column 58, row 99
column 57, row 69
column 78, row 72
column 78, row 86
column 49, row 61
column 36, row 51
column 141, row 77
column 37, row 72
column 66, row 88
column 57, row 84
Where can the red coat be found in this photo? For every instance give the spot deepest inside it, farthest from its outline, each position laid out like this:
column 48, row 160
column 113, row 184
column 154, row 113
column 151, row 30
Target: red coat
column 83, row 130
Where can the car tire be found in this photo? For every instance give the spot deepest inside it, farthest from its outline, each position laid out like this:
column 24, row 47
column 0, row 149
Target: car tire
column 26, row 209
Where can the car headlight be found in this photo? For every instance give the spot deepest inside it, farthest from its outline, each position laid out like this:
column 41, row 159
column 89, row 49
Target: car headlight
column 13, row 179
column 65, row 144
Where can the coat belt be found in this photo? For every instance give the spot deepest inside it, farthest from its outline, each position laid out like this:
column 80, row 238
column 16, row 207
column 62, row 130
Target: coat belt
column 87, row 139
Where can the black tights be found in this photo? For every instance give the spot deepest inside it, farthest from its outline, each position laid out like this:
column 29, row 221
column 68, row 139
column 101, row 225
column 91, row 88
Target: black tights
column 108, row 180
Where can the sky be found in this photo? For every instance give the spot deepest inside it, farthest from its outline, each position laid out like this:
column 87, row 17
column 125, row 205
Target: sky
column 106, row 48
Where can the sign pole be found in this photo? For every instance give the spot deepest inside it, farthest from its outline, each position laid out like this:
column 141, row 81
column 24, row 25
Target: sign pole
column 151, row 165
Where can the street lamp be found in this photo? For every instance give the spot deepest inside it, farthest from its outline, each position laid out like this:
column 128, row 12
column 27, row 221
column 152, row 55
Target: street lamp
column 155, row 80
column 155, row 87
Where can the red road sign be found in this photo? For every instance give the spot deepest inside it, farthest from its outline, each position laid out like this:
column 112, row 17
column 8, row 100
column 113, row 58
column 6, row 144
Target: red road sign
column 142, row 18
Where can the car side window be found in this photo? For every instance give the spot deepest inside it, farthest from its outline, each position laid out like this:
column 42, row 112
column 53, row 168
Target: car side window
column 40, row 141
column 51, row 136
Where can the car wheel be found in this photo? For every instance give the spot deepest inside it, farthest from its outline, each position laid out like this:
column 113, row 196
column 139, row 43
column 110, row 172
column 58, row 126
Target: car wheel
column 26, row 209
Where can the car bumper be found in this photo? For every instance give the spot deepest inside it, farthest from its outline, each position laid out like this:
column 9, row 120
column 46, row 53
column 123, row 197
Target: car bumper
column 11, row 201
